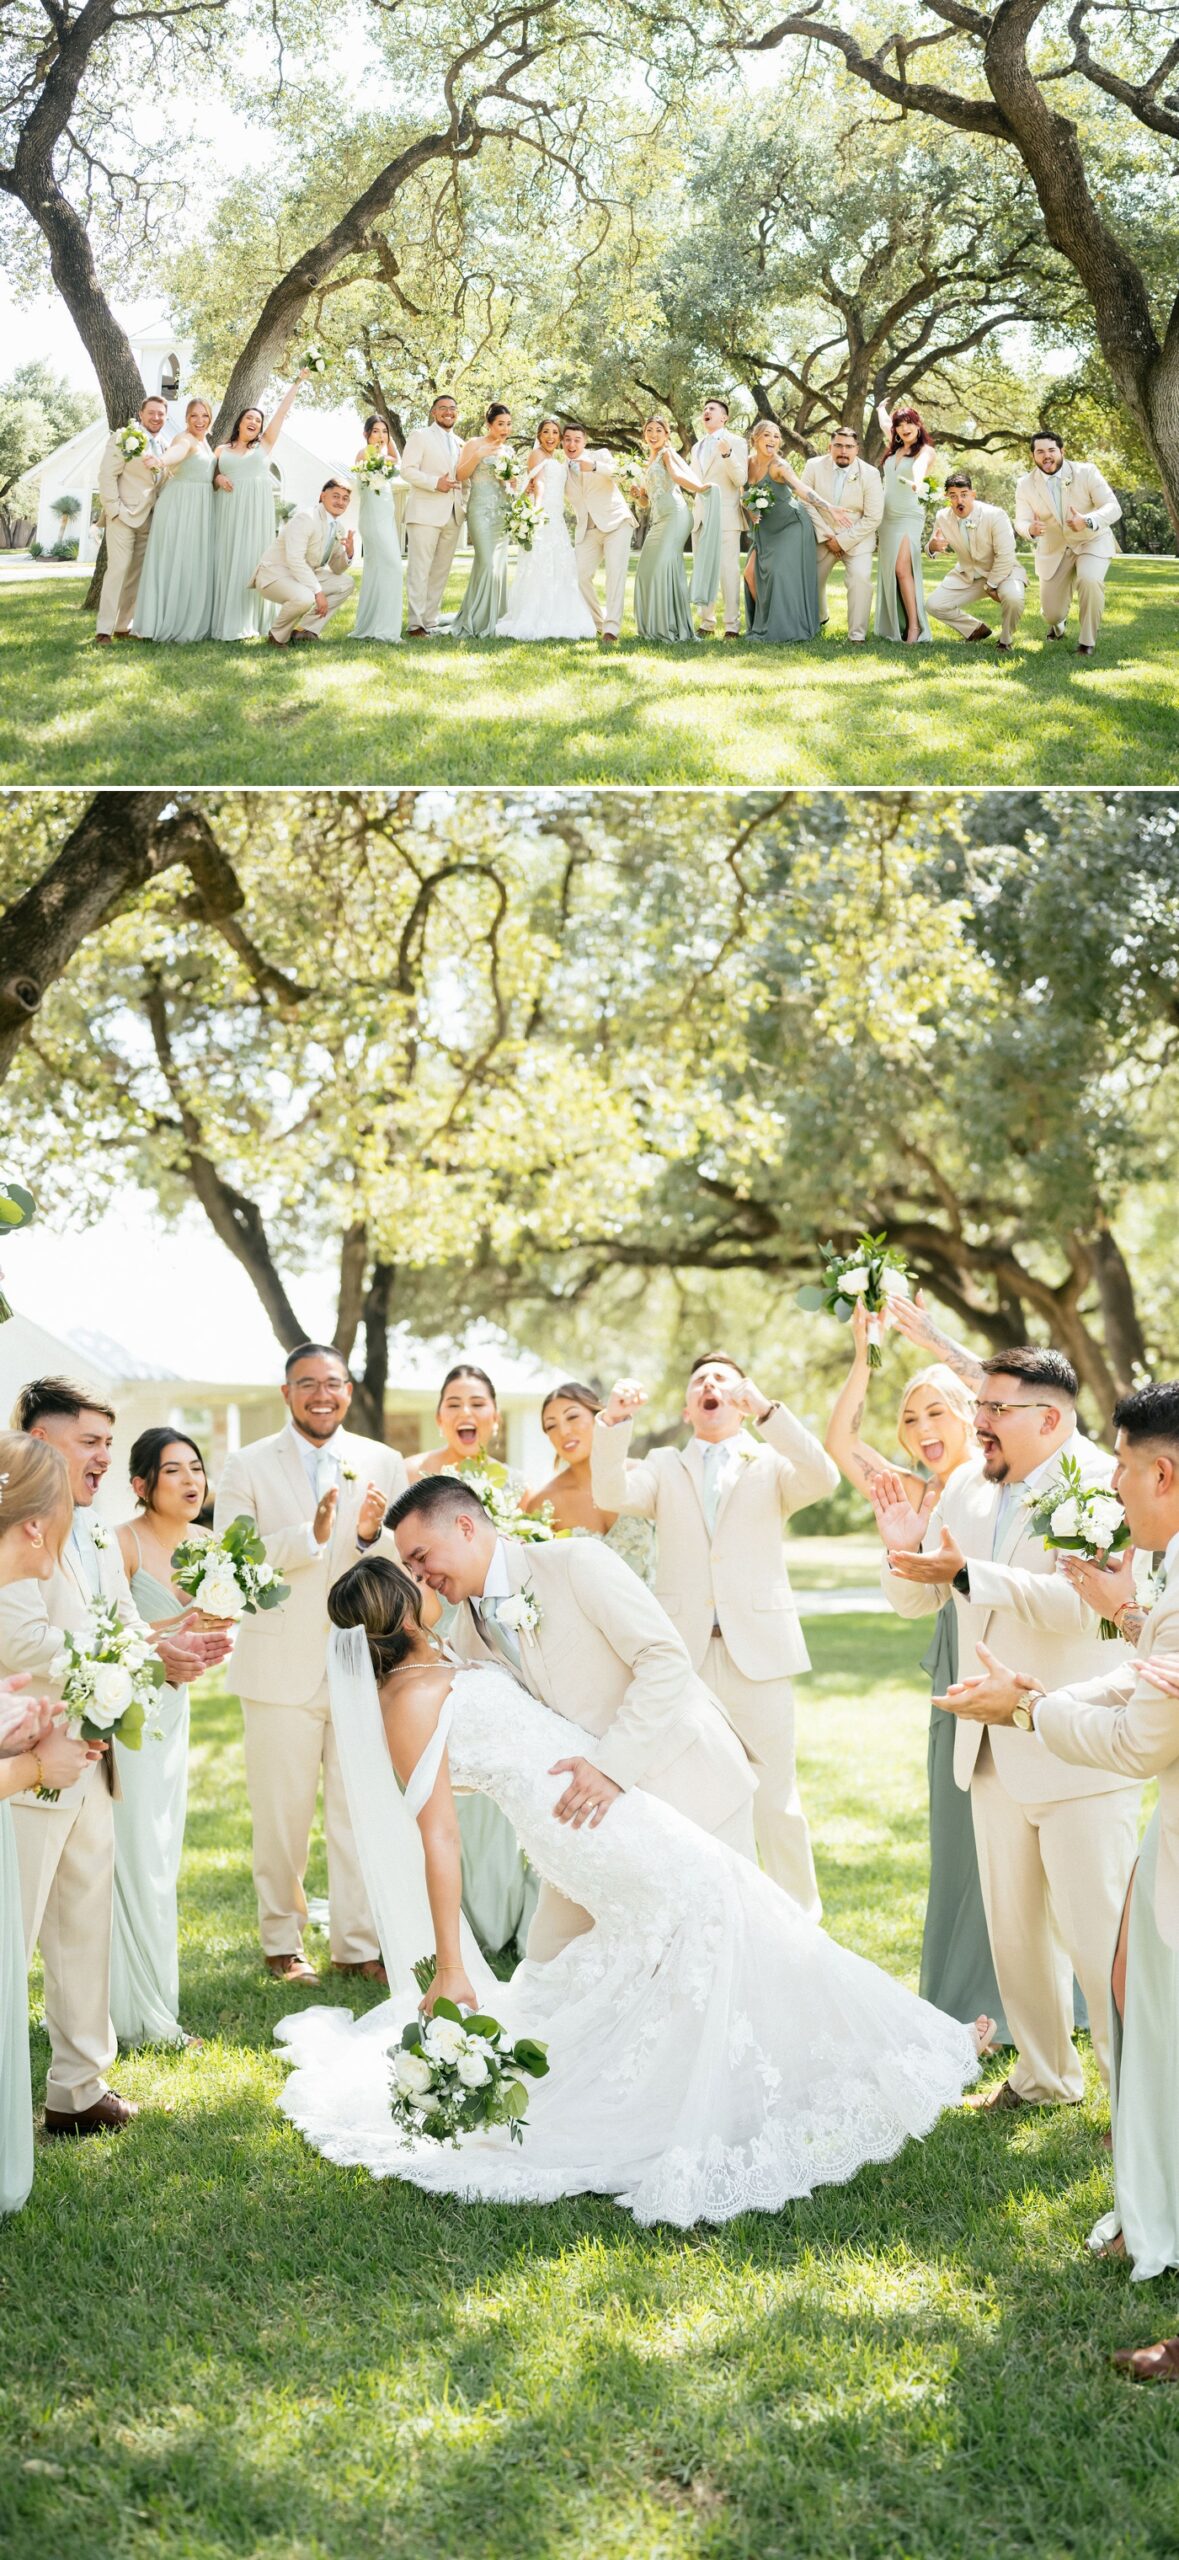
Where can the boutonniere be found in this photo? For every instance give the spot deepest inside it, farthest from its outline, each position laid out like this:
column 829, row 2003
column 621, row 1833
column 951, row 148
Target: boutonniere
column 1154, row 1587
column 520, row 1611
column 102, row 1539
column 348, row 1473
column 747, row 1448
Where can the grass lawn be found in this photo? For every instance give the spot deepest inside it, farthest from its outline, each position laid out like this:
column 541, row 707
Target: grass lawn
column 496, row 712
column 217, row 2347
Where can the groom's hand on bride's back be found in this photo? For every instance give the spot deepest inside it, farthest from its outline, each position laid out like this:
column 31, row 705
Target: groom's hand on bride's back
column 588, row 1796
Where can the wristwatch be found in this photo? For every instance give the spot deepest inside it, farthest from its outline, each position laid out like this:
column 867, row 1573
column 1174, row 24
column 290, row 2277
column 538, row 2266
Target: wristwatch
column 775, row 1407
column 961, row 1581
column 1021, row 1718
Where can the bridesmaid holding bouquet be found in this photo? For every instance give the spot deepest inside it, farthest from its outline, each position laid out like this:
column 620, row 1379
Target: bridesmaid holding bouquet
column 481, row 462
column 378, row 613
column 782, row 570
column 662, row 607
column 900, row 594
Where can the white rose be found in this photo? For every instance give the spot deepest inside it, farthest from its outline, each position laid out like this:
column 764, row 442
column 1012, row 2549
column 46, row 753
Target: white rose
column 472, row 2070
column 851, row 1282
column 894, row 1283
column 1105, row 1519
column 112, row 1692
column 411, row 2071
column 59, row 1669
column 445, row 2038
column 217, row 1593
column 1065, row 1521
column 264, row 1575
column 427, row 2104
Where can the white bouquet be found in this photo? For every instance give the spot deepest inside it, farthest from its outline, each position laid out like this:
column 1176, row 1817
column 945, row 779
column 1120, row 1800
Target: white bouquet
column 502, row 1504
column 108, row 1674
column 524, row 520
column 132, row 440
column 758, row 496
column 17, row 1206
column 871, row 1271
column 451, row 2075
column 632, row 476
column 228, row 1576
column 313, row 360
column 1079, row 1519
column 377, row 467
column 503, row 467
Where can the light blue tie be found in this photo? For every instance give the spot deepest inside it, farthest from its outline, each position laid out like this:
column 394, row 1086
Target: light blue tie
column 713, row 1456
column 1008, row 1494
column 87, row 1555
column 505, row 1639
column 1057, row 495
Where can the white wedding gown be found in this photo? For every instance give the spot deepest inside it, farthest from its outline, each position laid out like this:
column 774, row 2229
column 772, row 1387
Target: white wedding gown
column 545, row 601
column 711, row 2050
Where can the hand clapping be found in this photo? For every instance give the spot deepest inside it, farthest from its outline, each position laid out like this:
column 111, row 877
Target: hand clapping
column 901, row 1527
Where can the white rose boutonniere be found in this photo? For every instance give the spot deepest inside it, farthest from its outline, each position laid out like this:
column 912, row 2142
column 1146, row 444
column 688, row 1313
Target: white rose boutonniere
column 348, row 1473
column 520, row 1612
column 102, row 1539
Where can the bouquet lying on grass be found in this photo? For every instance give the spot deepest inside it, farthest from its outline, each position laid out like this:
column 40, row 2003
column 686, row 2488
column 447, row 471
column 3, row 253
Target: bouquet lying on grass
column 109, row 1676
column 1079, row 1519
column 503, row 1506
column 453, row 2075
column 17, row 1206
column 228, row 1576
column 524, row 520
column 872, row 1271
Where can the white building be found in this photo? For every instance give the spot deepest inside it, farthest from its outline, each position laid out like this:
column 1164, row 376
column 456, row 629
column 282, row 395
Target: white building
column 315, row 445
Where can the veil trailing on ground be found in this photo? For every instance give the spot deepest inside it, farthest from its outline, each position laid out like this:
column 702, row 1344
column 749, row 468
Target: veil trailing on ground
column 388, row 1842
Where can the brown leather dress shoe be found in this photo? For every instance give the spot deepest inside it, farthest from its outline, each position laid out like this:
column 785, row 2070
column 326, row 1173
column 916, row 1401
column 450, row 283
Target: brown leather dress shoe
column 1150, row 2364
column 372, row 1971
column 997, row 2102
column 291, row 1969
column 109, row 2114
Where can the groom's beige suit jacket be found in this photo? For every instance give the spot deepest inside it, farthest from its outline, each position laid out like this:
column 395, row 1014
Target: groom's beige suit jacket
column 280, row 1655
column 128, row 486
column 595, row 496
column 1118, row 1722
column 1081, row 486
column 736, row 1576
column 34, row 1618
column 1028, row 1614
column 863, row 499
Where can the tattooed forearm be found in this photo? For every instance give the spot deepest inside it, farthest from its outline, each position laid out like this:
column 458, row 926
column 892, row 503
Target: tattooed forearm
column 858, row 1416
column 1131, row 1623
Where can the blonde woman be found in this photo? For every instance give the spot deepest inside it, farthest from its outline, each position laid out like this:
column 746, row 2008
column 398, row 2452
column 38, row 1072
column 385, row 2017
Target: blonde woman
column 662, row 608
column 36, row 1508
column 176, row 596
column 782, row 570
column 935, row 1431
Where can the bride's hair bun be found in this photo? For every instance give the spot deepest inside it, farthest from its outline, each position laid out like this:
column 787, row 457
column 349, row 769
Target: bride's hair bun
column 385, row 1602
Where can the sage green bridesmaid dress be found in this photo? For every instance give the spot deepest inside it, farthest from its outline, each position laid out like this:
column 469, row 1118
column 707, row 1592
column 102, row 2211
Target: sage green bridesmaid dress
column 378, row 614
column 16, row 2093
column 957, row 1968
column 176, row 592
column 244, row 526
column 662, row 607
column 149, row 1838
column 786, row 606
column 903, row 514
column 485, row 599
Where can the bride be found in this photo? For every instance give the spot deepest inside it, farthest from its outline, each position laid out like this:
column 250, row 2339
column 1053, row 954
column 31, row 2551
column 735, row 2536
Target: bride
column 545, row 601
column 711, row 2049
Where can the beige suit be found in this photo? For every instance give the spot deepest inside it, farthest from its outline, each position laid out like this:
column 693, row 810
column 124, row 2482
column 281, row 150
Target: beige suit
column 280, row 1670
column 433, row 520
column 984, row 547
column 1118, row 1722
column 1056, row 1843
column 306, row 559
column 1065, row 558
column 726, row 472
column 605, row 1655
column 66, row 1851
column 854, row 544
column 728, row 1593
column 128, row 490
column 603, row 529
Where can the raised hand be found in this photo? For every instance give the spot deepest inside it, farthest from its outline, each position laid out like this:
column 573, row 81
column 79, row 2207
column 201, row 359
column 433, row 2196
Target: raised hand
column 901, row 1526
column 625, row 1397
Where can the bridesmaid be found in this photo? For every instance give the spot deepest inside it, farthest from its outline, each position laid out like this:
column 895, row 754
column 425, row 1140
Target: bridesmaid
column 567, row 1421
column 244, row 522
column 169, row 1483
column 782, row 570
column 378, row 613
column 935, row 1430
column 468, row 1417
column 899, row 588
column 485, row 601
column 176, row 594
column 663, row 609
column 36, row 1509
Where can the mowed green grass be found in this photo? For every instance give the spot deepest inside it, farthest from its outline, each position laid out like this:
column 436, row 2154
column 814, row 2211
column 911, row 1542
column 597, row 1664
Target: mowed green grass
column 496, row 712
column 215, row 2346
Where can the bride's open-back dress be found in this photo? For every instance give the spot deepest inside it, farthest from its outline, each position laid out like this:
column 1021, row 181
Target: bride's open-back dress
column 711, row 2050
column 545, row 601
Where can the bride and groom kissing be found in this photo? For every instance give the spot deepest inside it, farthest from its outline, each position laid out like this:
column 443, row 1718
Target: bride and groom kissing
column 712, row 2050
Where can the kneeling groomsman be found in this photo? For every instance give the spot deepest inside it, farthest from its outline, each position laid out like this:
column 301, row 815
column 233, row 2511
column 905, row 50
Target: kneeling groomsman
column 1056, row 1843
column 1067, row 510
column 844, row 480
column 603, row 528
column 307, row 570
column 983, row 540
column 720, row 1507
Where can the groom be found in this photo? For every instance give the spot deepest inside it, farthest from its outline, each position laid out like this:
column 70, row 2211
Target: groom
column 603, row 527
column 434, row 512
column 579, row 1630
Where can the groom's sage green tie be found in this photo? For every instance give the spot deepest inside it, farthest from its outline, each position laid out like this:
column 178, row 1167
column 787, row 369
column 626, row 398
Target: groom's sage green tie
column 505, row 1639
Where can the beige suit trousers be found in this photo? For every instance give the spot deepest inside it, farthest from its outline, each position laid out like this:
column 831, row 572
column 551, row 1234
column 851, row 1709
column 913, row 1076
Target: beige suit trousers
column 1087, row 575
column 286, row 1748
column 761, row 1713
column 556, row 1920
column 857, row 571
column 730, row 575
column 1054, row 1879
column 950, row 601
column 429, row 550
column 294, row 612
column 593, row 548
column 126, row 550
column 66, row 1856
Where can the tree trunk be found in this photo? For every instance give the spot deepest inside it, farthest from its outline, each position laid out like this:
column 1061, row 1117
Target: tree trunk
column 115, row 848
column 1124, row 1337
column 350, row 1301
column 368, row 1402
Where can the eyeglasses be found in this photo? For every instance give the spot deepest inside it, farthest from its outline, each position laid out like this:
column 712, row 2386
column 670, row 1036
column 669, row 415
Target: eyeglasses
column 1037, row 1405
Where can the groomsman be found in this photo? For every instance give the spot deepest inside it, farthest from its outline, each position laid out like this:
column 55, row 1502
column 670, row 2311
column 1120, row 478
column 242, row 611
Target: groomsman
column 1067, row 509
column 1127, row 1720
column 307, row 570
column 720, row 1507
column 318, row 1494
column 1056, row 1843
column 603, row 528
column 601, row 1651
column 844, row 480
column 721, row 460
column 434, row 512
column 983, row 541
column 66, row 1851
column 128, row 486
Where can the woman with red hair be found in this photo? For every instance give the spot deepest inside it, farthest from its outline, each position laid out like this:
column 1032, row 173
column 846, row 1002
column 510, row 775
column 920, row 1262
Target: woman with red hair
column 900, row 595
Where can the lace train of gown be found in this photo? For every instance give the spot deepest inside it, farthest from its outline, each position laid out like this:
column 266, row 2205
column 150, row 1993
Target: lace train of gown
column 545, row 601
column 711, row 2050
